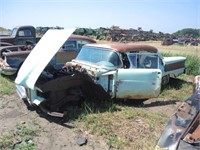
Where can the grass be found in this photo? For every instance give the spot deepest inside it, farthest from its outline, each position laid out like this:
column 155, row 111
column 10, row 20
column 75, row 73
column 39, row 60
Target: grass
column 178, row 89
column 7, row 86
column 174, row 49
column 121, row 126
column 20, row 138
column 127, row 127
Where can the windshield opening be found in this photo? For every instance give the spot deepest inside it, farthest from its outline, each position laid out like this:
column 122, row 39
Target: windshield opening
column 99, row 56
column 14, row 32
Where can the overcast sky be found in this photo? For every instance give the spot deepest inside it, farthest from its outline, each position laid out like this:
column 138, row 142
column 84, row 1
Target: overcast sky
column 166, row 16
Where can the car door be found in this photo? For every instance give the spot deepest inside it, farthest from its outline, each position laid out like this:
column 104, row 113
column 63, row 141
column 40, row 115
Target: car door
column 138, row 83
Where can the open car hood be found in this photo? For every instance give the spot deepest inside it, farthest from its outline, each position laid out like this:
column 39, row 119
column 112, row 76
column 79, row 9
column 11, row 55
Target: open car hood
column 40, row 56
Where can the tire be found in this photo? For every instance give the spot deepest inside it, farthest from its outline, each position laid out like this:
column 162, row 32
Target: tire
column 165, row 79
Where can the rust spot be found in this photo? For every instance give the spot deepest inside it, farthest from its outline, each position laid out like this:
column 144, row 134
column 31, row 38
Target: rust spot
column 183, row 111
column 3, row 64
column 196, row 84
column 194, row 131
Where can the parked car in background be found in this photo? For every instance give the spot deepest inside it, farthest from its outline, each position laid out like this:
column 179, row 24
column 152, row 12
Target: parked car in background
column 182, row 132
column 12, row 57
column 20, row 35
column 112, row 70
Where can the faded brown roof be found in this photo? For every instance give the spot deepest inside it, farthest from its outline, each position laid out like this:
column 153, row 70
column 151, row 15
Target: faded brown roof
column 74, row 36
column 121, row 47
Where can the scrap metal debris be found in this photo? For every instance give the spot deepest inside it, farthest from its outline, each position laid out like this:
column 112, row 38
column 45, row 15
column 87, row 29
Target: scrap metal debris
column 183, row 129
column 81, row 141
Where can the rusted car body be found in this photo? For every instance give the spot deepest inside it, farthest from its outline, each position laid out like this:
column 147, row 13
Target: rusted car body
column 112, row 70
column 183, row 129
column 12, row 57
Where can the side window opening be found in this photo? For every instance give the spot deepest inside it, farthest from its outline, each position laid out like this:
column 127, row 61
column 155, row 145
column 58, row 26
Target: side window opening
column 69, row 45
column 143, row 60
column 74, row 44
column 21, row 33
column 148, row 61
column 24, row 33
column 133, row 60
column 80, row 44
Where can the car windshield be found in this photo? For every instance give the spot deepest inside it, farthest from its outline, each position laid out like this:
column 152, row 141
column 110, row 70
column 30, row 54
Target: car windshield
column 99, row 56
column 14, row 31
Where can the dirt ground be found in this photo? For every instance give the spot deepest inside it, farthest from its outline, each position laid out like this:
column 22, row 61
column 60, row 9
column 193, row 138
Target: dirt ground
column 56, row 134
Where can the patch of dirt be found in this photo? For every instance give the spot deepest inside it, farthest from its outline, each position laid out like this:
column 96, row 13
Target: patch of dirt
column 53, row 135
column 59, row 134
column 56, row 135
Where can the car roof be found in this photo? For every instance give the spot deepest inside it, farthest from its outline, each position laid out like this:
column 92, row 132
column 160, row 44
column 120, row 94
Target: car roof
column 122, row 47
column 80, row 37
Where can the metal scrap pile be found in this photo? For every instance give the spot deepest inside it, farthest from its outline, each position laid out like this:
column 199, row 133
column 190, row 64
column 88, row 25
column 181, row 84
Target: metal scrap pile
column 121, row 35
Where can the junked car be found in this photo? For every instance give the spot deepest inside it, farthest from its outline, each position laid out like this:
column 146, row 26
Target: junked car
column 12, row 57
column 112, row 70
column 182, row 132
column 20, row 35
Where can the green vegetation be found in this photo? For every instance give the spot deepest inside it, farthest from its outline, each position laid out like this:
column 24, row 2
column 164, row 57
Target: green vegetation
column 188, row 32
column 7, row 86
column 128, row 126
column 3, row 29
column 20, row 138
column 123, row 125
column 178, row 89
column 192, row 63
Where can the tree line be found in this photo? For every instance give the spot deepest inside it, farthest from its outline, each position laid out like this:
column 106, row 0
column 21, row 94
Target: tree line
column 188, row 32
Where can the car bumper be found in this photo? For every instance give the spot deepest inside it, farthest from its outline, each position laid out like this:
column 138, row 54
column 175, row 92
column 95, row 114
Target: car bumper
column 29, row 95
column 21, row 91
column 8, row 71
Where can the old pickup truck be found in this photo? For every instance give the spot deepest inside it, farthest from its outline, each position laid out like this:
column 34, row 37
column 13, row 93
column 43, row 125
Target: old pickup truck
column 20, row 35
column 113, row 70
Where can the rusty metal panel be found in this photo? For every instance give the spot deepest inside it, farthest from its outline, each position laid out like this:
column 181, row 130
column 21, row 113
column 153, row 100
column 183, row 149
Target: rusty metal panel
column 183, row 130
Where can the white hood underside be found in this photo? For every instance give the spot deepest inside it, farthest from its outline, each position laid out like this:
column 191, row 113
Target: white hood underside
column 40, row 56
